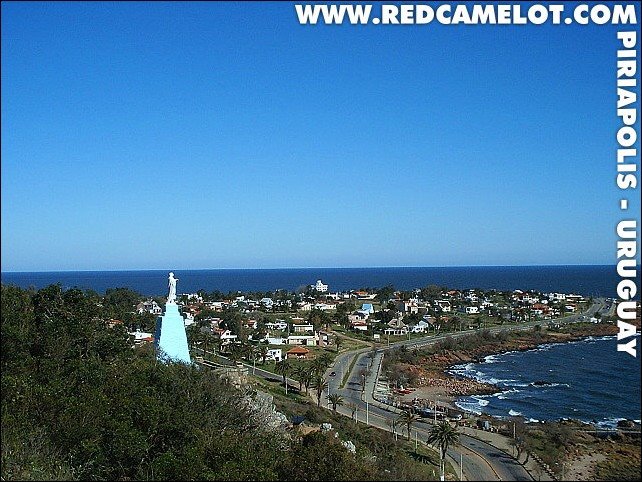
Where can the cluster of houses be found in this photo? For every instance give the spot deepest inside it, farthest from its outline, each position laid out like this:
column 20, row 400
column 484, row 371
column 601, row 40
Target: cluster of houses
column 517, row 306
column 403, row 315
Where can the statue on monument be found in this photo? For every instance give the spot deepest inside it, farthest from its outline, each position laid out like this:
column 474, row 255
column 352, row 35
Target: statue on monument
column 171, row 298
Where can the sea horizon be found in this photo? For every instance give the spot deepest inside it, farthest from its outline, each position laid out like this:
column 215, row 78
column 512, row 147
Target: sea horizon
column 587, row 280
column 305, row 267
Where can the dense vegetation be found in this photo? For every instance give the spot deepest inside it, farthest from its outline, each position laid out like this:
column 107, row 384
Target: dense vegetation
column 78, row 402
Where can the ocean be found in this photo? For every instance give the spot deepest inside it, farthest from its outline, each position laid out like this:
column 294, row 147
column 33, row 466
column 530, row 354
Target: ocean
column 587, row 380
column 587, row 280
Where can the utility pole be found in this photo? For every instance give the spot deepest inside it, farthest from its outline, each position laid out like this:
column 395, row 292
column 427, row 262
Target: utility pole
column 367, row 413
column 461, row 466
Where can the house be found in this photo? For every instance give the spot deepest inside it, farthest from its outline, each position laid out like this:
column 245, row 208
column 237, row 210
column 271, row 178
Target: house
column 410, row 306
column 364, row 295
column 276, row 340
column 324, row 306
column 472, row 310
column 574, row 298
column 444, row 306
column 216, row 305
column 277, row 325
column 319, row 286
column 301, row 340
column 396, row 331
column 267, row 303
column 275, row 354
column 112, row 323
column 322, row 338
column 149, row 306
column 360, row 326
column 303, row 328
column 225, row 336
column 142, row 337
column 420, row 327
column 363, row 314
column 298, row 352
column 251, row 324
column 557, row 296
column 305, row 306
column 367, row 307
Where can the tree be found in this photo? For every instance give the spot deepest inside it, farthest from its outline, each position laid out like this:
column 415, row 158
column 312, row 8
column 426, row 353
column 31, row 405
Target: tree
column 338, row 342
column 335, row 399
column 307, row 379
column 283, row 368
column 319, row 385
column 407, row 418
column 443, row 435
column 300, row 372
column 263, row 352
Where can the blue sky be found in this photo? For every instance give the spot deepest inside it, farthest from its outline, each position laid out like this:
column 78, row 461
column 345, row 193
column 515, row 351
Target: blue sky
column 207, row 135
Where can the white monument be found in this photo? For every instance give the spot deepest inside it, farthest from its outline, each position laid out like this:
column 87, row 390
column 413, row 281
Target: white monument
column 171, row 340
column 171, row 297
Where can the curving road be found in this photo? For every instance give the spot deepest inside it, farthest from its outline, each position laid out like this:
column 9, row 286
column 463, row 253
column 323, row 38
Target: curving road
column 481, row 461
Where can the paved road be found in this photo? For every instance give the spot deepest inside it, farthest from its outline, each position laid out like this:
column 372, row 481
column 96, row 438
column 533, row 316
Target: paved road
column 481, row 461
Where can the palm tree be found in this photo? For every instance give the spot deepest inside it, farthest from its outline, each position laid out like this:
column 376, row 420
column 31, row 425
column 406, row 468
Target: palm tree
column 282, row 368
column 300, row 373
column 307, row 379
column 407, row 418
column 337, row 342
column 443, row 435
column 335, row 399
column 263, row 351
column 319, row 385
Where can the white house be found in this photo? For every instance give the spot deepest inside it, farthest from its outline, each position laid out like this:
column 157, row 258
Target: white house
column 277, row 325
column 303, row 328
column 444, row 306
column 320, row 287
column 420, row 327
column 149, row 306
column 267, row 302
column 274, row 354
column 472, row 310
column 301, row 340
column 141, row 337
column 396, row 331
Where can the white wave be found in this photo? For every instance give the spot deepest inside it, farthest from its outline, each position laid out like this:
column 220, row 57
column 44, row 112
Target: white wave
column 468, row 407
column 482, row 402
column 532, row 420
column 608, row 423
column 513, row 413
column 491, row 359
column 503, row 395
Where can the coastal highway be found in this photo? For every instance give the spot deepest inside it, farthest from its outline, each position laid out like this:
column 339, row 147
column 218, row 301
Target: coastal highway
column 481, row 461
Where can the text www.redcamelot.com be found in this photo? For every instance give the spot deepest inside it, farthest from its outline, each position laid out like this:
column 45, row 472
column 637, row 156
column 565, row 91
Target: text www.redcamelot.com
column 464, row 14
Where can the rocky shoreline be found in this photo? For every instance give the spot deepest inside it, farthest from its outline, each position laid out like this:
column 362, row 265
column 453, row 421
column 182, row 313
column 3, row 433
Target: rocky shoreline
column 432, row 377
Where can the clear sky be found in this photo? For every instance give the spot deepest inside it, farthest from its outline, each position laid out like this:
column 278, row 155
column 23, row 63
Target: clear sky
column 208, row 135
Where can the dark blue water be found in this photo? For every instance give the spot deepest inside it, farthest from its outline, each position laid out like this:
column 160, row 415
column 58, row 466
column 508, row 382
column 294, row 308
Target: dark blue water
column 584, row 280
column 587, row 380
